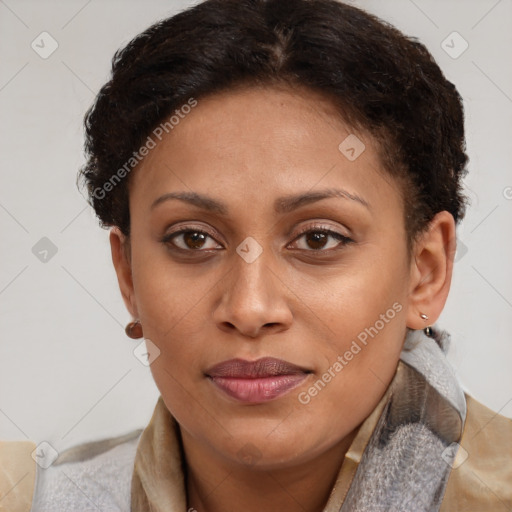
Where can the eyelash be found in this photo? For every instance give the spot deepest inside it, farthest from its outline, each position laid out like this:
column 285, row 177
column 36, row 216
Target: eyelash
column 344, row 240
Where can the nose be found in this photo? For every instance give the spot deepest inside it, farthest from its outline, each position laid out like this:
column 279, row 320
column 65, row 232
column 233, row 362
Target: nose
column 254, row 300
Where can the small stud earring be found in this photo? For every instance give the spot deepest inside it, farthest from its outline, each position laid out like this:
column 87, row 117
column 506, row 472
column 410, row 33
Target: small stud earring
column 428, row 329
column 134, row 330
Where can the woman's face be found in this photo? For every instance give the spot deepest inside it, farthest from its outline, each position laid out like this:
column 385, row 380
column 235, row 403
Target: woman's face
column 285, row 246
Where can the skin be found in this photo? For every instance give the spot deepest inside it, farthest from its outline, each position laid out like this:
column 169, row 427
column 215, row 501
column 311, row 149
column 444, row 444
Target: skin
column 301, row 300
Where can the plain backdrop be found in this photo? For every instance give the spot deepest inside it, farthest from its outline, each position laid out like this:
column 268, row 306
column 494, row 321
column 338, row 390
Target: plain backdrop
column 67, row 371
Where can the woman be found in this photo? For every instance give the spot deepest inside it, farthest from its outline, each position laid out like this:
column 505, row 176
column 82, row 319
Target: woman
column 282, row 180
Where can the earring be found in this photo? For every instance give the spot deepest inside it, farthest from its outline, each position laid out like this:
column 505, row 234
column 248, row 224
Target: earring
column 428, row 329
column 134, row 330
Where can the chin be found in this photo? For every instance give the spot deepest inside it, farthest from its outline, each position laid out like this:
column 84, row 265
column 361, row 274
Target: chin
column 267, row 449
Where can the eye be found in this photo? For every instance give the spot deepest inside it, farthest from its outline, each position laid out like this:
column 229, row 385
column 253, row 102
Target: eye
column 316, row 239
column 322, row 239
column 191, row 240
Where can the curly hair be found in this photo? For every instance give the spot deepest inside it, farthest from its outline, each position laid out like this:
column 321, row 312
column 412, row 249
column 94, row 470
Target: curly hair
column 381, row 82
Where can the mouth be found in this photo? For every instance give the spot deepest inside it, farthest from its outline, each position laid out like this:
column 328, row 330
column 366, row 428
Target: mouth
column 256, row 381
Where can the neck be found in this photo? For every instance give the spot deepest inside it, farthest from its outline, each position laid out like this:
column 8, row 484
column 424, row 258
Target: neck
column 217, row 485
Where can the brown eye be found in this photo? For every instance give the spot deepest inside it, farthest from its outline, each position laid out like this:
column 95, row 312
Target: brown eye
column 191, row 239
column 321, row 240
column 316, row 239
column 194, row 239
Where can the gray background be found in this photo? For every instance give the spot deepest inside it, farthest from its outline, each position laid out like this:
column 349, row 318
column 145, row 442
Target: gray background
column 67, row 371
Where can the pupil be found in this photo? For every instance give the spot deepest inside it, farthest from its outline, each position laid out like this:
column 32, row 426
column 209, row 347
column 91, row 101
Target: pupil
column 194, row 239
column 318, row 239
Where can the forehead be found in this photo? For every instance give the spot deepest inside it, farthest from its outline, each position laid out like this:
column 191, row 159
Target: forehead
column 265, row 140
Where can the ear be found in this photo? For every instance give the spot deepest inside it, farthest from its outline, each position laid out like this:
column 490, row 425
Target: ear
column 431, row 271
column 120, row 247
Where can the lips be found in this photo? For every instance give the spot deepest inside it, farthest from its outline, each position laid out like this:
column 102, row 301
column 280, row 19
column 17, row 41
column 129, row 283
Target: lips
column 256, row 381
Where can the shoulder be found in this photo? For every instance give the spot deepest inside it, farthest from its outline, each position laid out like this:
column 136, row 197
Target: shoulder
column 481, row 477
column 90, row 476
column 17, row 475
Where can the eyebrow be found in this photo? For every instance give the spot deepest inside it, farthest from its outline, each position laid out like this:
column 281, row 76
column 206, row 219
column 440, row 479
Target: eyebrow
column 284, row 204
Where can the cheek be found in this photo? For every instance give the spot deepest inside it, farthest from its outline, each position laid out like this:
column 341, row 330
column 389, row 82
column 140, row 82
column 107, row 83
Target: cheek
column 361, row 328
column 370, row 289
column 359, row 365
column 167, row 293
